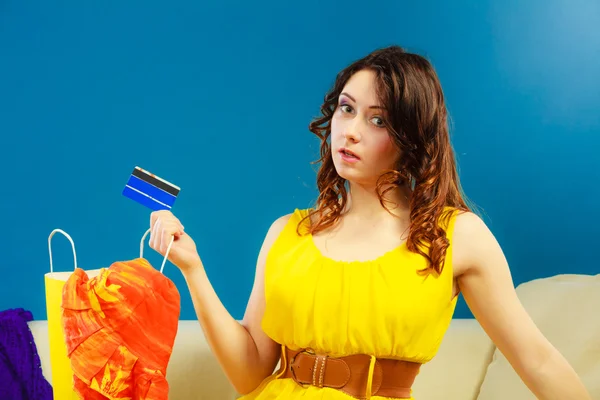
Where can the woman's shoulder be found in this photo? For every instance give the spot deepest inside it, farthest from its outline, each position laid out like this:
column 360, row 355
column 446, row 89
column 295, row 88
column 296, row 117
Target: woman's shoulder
column 450, row 217
column 468, row 224
column 284, row 221
column 473, row 240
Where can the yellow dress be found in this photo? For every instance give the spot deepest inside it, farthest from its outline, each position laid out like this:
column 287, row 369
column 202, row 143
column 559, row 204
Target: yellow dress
column 381, row 307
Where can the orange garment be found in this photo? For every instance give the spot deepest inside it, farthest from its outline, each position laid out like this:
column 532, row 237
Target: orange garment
column 119, row 330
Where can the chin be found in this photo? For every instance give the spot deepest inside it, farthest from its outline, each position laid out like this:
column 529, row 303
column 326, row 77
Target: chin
column 354, row 172
column 344, row 171
column 351, row 174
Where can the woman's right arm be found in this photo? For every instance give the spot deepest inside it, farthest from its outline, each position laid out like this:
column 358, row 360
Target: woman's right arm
column 246, row 354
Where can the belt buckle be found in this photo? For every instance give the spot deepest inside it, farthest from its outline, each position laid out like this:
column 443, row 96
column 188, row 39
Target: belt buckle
column 291, row 364
column 318, row 370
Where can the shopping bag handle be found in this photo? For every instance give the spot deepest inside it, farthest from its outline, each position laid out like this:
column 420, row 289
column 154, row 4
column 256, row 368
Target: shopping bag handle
column 166, row 253
column 50, row 247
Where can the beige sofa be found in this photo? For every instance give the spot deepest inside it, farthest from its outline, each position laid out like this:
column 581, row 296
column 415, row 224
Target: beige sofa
column 467, row 367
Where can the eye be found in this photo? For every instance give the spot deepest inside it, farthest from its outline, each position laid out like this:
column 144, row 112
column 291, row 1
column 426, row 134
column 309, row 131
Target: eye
column 378, row 122
column 345, row 108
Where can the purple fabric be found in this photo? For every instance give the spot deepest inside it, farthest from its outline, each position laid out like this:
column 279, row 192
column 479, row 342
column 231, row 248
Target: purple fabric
column 20, row 367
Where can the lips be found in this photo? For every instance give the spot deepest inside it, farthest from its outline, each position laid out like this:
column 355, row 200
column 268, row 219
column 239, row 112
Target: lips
column 348, row 153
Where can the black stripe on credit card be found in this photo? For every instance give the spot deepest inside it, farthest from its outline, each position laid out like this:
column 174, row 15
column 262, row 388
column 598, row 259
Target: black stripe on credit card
column 155, row 181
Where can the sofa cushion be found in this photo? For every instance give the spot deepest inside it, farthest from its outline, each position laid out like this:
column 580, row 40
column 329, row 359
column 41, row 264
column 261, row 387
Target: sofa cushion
column 565, row 308
column 193, row 372
column 39, row 330
column 456, row 372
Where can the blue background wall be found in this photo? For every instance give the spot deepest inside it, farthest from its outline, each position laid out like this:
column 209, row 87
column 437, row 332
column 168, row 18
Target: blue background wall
column 216, row 97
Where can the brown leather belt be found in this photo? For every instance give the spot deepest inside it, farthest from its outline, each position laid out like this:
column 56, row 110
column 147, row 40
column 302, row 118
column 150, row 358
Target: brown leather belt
column 350, row 374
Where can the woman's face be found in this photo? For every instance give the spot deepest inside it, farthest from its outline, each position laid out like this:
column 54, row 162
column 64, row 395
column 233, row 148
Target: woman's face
column 361, row 146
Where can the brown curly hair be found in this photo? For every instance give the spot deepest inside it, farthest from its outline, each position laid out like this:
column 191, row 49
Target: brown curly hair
column 417, row 121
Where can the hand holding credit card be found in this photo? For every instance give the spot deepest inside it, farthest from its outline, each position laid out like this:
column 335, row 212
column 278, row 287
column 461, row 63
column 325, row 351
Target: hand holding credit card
column 151, row 191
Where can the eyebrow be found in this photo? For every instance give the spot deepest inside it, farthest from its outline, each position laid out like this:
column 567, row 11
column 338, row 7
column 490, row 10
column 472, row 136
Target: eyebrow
column 352, row 98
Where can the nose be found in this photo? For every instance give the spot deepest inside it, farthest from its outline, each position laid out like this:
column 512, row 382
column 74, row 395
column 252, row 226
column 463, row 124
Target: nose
column 352, row 132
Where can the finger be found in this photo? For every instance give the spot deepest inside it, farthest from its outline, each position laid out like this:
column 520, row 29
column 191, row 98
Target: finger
column 155, row 234
column 151, row 241
column 154, row 216
column 160, row 214
column 168, row 231
column 160, row 240
column 178, row 223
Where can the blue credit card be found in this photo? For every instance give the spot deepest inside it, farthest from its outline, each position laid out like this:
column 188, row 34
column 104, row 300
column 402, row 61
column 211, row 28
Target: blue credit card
column 151, row 191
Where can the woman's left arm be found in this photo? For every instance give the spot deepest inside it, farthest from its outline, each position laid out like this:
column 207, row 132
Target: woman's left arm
column 487, row 286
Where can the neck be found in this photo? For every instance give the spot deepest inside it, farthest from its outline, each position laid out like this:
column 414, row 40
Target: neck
column 363, row 201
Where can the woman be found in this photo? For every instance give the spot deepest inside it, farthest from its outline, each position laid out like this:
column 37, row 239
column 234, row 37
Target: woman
column 353, row 296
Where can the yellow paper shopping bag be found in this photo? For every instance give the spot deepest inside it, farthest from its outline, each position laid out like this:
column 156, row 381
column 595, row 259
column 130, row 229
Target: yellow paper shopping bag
column 60, row 362
column 62, row 374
